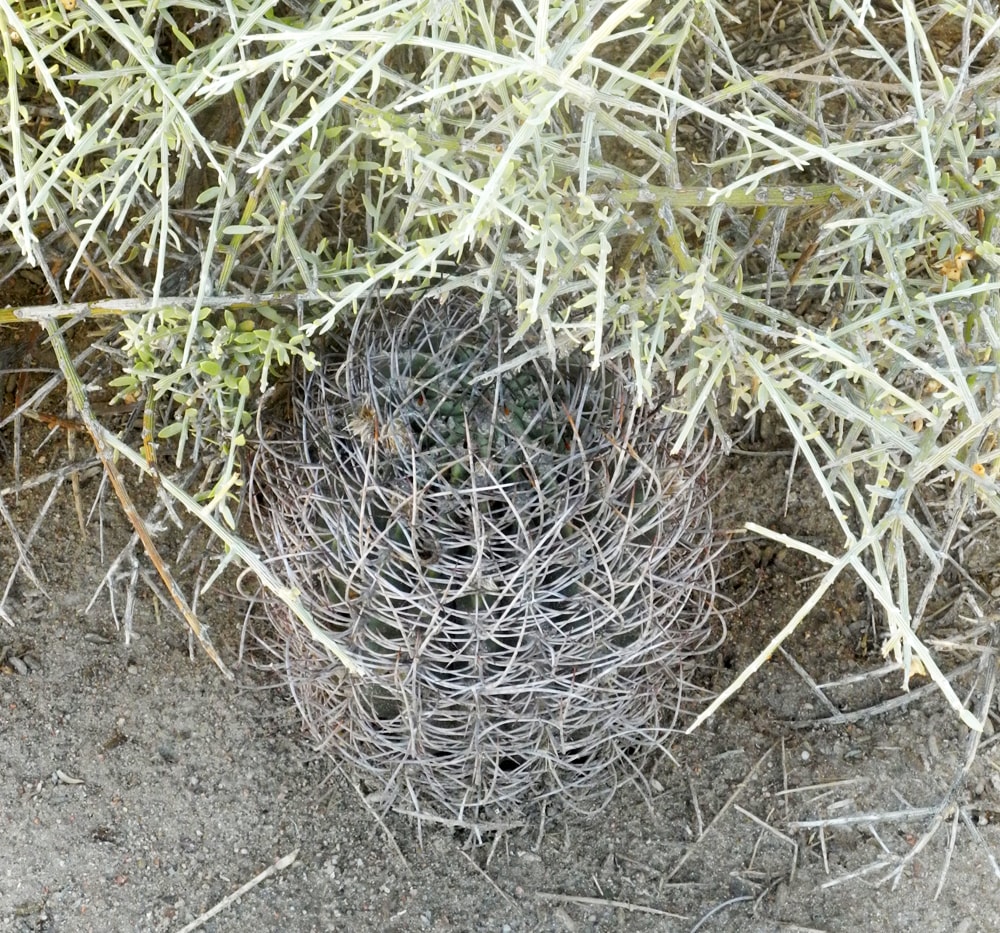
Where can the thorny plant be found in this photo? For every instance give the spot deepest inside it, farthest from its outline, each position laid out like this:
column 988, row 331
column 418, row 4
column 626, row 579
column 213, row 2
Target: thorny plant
column 786, row 209
column 524, row 573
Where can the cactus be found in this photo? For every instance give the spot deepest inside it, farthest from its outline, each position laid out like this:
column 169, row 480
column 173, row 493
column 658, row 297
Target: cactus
column 517, row 563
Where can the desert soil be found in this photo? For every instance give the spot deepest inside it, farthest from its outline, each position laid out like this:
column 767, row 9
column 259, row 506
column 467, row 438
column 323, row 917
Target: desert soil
column 139, row 789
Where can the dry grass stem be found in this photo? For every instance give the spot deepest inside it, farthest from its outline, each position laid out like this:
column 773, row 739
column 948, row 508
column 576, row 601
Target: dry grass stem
column 111, row 471
column 950, row 809
column 280, row 865
column 603, row 902
column 896, row 703
column 718, row 816
column 489, row 880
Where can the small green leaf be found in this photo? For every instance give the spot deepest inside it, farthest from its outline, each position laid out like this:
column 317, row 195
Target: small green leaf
column 171, row 430
column 182, row 38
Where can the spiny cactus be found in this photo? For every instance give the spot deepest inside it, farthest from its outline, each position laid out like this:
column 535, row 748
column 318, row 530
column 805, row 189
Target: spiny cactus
column 507, row 548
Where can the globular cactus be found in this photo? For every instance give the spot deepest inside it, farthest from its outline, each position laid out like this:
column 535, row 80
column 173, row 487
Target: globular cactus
column 522, row 571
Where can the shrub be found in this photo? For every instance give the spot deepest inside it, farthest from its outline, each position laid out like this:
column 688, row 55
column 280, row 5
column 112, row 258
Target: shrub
column 794, row 215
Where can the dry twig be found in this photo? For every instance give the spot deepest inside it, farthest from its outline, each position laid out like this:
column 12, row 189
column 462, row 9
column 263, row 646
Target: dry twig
column 280, row 865
column 79, row 397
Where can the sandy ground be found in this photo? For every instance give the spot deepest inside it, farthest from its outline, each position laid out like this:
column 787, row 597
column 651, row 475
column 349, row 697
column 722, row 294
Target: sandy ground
column 139, row 789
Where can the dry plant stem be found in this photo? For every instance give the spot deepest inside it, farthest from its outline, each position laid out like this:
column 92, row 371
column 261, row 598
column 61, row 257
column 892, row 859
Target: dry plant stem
column 865, row 819
column 781, row 927
column 602, row 902
column 97, row 434
column 978, row 836
column 946, row 863
column 719, row 907
column 964, row 494
column 718, row 816
column 280, row 865
column 987, row 668
column 860, row 873
column 120, row 307
column 126, row 554
column 948, row 808
column 237, row 548
column 482, row 826
column 27, row 405
column 869, row 712
column 767, row 827
column 491, row 882
column 804, row 674
column 850, row 558
column 42, row 512
column 784, row 777
column 234, row 545
column 74, row 476
column 17, row 448
column 699, row 820
column 22, row 551
column 390, row 838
